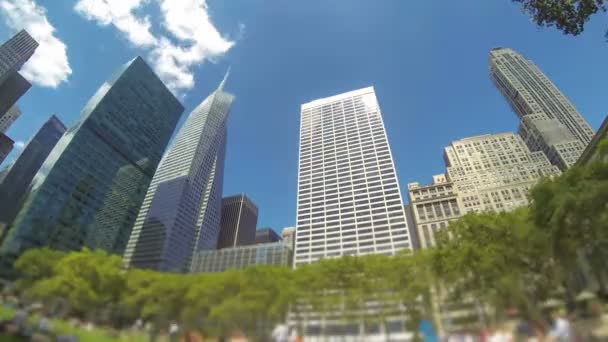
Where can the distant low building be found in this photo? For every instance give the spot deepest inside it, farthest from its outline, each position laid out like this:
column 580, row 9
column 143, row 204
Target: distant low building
column 210, row 261
column 266, row 235
column 288, row 235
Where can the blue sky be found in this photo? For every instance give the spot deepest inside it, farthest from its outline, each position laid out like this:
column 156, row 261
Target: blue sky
column 426, row 59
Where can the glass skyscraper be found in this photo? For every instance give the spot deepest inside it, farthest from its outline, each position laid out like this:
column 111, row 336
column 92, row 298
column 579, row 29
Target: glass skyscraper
column 238, row 222
column 182, row 209
column 18, row 176
column 124, row 128
column 548, row 120
column 349, row 201
column 13, row 54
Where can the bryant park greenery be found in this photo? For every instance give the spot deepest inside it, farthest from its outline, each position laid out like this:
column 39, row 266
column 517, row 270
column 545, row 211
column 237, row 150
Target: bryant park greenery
column 512, row 261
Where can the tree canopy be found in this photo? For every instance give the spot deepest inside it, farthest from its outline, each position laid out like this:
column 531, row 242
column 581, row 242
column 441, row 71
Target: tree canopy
column 569, row 16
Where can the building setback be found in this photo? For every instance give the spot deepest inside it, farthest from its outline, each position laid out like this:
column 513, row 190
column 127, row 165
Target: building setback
column 266, row 235
column 8, row 118
column 273, row 254
column 349, row 202
column 495, row 171
column 548, row 120
column 239, row 220
column 13, row 54
column 124, row 127
column 15, row 183
column 182, row 207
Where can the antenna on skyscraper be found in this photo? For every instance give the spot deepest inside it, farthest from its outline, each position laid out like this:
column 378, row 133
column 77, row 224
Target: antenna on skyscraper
column 221, row 87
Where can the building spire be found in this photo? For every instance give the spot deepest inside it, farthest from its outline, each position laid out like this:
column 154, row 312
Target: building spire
column 221, row 86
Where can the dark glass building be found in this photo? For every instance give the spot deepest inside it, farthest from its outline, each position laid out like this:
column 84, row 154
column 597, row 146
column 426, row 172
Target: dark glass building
column 272, row 254
column 239, row 220
column 13, row 54
column 18, row 176
column 121, row 135
column 266, row 235
column 6, row 146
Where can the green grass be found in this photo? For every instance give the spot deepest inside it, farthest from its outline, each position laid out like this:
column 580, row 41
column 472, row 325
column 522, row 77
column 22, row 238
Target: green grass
column 63, row 328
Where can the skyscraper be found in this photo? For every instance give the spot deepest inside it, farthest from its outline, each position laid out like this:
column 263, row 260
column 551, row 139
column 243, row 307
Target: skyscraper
column 548, row 121
column 124, row 127
column 19, row 176
column 349, row 201
column 6, row 146
column 13, row 54
column 7, row 119
column 238, row 223
column 288, row 235
column 182, row 208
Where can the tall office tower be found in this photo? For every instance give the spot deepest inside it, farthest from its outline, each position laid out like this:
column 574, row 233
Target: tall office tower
column 7, row 119
column 6, row 146
column 349, row 202
column 13, row 54
column 239, row 219
column 18, row 177
column 124, row 127
column 411, row 226
column 494, row 171
column 288, row 235
column 266, row 235
column 182, row 209
column 549, row 122
column 433, row 207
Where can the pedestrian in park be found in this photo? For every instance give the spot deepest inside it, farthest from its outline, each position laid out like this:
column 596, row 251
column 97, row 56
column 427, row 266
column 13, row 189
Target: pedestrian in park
column 20, row 318
column 561, row 330
column 173, row 332
column 280, row 333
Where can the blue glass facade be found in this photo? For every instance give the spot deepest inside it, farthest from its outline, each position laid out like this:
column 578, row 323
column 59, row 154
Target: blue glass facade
column 18, row 177
column 90, row 187
column 182, row 209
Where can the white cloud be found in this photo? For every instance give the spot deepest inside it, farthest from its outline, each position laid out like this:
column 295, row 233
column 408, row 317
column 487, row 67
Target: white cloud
column 19, row 145
column 120, row 14
column 192, row 37
column 49, row 66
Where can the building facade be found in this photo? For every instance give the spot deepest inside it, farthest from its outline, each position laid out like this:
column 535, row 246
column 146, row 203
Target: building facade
column 272, row 254
column 548, row 120
column 433, row 206
column 6, row 146
column 15, row 183
column 182, row 208
column 266, row 235
column 288, row 236
column 494, row 171
column 124, row 127
column 8, row 118
column 13, row 55
column 349, row 201
column 238, row 223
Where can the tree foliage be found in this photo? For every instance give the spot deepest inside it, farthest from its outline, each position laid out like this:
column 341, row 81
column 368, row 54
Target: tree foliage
column 507, row 260
column 569, row 16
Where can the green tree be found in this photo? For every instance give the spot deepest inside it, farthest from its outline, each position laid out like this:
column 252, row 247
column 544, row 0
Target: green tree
column 569, row 16
column 35, row 265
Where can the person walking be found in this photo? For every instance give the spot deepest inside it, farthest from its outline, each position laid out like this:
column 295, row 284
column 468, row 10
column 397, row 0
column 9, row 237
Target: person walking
column 561, row 330
column 280, row 333
column 173, row 332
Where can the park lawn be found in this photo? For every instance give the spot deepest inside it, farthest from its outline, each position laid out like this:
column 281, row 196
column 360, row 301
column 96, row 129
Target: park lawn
column 61, row 328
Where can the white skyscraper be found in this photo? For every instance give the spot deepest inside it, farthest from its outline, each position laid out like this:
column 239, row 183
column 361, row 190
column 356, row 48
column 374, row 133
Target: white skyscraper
column 349, row 201
column 549, row 121
column 182, row 209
